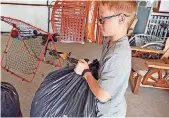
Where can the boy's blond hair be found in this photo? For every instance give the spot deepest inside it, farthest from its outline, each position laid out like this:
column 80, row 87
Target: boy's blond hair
column 126, row 7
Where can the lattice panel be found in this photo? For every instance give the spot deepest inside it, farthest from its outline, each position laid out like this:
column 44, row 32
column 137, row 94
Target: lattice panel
column 72, row 29
column 69, row 20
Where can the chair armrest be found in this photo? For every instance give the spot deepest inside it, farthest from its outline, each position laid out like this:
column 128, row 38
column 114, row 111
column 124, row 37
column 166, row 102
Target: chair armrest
column 148, row 50
column 166, row 60
column 157, row 65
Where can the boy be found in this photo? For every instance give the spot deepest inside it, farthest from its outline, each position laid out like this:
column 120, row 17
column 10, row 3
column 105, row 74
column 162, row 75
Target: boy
column 115, row 18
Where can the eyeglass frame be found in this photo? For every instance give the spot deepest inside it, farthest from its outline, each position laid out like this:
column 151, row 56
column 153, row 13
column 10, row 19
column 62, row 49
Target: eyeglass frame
column 109, row 17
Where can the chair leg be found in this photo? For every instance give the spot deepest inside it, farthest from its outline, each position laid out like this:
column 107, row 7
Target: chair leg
column 131, row 74
column 137, row 84
column 131, row 80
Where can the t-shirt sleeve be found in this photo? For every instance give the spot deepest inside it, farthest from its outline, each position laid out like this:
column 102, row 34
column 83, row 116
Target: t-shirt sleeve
column 114, row 76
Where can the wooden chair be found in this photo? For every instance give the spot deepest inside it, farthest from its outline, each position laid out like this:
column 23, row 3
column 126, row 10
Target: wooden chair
column 150, row 72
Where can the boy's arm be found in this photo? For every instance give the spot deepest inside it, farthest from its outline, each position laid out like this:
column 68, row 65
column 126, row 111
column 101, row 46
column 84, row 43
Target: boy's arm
column 100, row 94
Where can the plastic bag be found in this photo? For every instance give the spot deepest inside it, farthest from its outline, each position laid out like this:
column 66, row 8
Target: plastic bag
column 10, row 105
column 64, row 93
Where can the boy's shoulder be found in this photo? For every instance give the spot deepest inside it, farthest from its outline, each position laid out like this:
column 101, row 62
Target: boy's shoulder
column 120, row 49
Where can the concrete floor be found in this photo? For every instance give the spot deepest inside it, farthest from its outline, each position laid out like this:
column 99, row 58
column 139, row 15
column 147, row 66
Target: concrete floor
column 148, row 103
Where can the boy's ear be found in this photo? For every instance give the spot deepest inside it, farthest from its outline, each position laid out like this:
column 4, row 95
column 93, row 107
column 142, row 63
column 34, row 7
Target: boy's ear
column 121, row 18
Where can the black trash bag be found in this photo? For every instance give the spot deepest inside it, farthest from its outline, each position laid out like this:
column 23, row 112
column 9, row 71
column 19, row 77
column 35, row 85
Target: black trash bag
column 10, row 105
column 64, row 93
column 94, row 67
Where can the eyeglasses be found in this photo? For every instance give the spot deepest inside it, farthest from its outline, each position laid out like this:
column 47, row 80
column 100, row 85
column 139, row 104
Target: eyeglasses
column 101, row 20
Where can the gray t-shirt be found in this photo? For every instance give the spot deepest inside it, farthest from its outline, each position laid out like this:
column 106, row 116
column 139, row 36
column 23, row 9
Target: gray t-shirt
column 114, row 71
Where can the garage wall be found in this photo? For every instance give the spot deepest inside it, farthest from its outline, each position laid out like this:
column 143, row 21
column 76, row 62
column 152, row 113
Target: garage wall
column 144, row 9
column 142, row 15
column 35, row 15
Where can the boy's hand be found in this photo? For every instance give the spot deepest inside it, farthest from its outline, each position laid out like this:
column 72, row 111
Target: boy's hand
column 81, row 66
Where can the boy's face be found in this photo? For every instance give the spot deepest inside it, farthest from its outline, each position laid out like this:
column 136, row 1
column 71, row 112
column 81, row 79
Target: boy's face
column 109, row 27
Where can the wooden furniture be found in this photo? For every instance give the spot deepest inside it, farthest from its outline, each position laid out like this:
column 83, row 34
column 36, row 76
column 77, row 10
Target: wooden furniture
column 150, row 72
